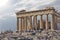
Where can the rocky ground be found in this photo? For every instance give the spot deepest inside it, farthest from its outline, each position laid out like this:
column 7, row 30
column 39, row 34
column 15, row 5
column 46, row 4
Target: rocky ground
column 35, row 35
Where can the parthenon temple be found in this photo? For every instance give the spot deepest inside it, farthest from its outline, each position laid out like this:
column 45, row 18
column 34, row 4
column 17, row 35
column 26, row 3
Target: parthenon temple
column 28, row 20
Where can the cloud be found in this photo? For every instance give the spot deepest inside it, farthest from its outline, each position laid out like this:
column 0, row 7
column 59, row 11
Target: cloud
column 1, row 17
column 32, row 4
column 3, row 2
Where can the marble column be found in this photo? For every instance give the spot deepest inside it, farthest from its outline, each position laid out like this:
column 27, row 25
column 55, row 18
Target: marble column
column 17, row 25
column 52, row 22
column 41, row 22
column 47, row 22
column 35, row 22
column 20, row 24
column 30, row 23
column 26, row 23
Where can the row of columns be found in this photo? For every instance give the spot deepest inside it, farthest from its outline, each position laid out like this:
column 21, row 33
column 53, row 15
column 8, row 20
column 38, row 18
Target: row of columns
column 24, row 24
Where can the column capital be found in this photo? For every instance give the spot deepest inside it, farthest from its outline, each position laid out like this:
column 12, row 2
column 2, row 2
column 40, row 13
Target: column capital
column 41, row 15
column 35, row 15
column 47, row 14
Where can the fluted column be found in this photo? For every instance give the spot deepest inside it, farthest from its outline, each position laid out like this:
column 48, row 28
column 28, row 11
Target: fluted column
column 46, row 22
column 20, row 24
column 26, row 23
column 52, row 22
column 35, row 22
column 17, row 25
column 41, row 22
column 30, row 23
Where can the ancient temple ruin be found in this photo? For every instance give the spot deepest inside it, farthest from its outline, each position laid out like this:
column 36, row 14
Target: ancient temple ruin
column 25, row 22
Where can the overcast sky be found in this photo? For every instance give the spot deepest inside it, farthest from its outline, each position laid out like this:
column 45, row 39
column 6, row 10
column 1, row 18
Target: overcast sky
column 8, row 9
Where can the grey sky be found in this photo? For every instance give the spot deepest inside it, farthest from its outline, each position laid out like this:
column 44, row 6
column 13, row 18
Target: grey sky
column 7, row 12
